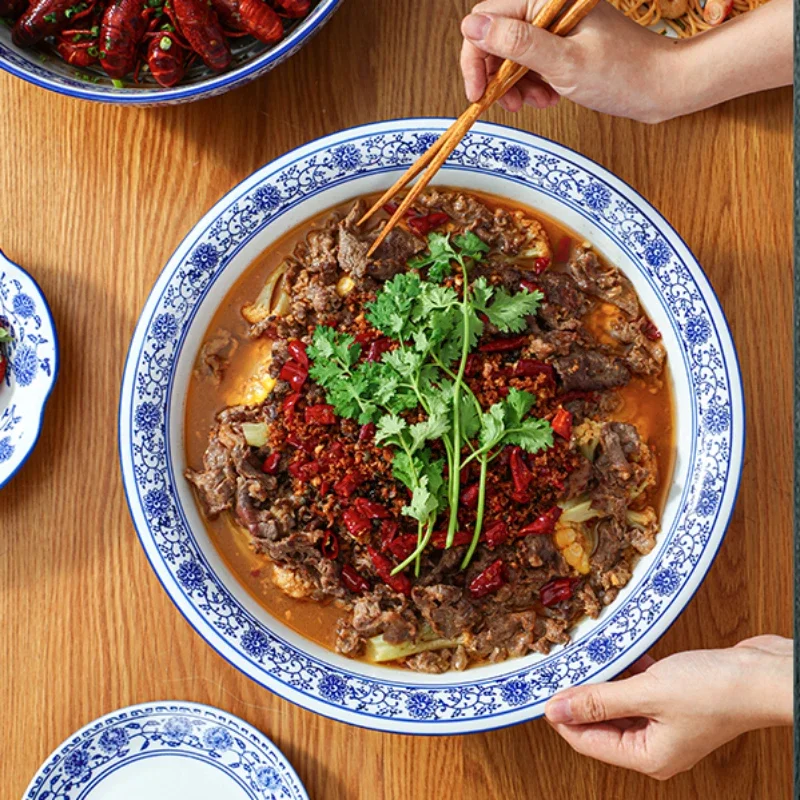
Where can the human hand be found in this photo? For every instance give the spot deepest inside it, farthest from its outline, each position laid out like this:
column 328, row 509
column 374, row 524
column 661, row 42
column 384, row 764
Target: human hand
column 608, row 64
column 674, row 712
column 611, row 64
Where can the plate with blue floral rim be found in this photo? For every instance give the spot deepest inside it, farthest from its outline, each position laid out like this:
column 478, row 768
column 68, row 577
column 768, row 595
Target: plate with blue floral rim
column 552, row 179
column 166, row 750
column 32, row 366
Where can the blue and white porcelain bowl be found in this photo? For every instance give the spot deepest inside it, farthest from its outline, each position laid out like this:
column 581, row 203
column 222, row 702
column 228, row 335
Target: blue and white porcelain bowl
column 251, row 59
column 536, row 172
column 32, row 367
column 163, row 751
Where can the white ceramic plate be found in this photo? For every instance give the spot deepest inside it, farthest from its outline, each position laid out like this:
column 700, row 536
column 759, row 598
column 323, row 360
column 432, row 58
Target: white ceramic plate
column 166, row 751
column 32, row 370
column 541, row 174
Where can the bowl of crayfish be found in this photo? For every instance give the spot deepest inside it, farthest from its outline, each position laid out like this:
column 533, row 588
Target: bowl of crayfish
column 152, row 52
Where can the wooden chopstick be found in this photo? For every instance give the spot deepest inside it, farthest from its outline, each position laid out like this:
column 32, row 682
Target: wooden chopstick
column 508, row 75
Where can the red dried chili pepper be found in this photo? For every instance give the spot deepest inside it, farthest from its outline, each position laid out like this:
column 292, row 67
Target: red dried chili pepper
column 490, row 580
column 355, row 523
column 271, row 462
column 365, row 337
column 495, row 533
column 378, row 348
column 523, row 498
column 306, row 445
column 353, row 581
column 304, row 470
column 324, row 488
column 541, row 264
column 383, row 567
column 403, row 546
column 469, row 497
column 504, row 345
column 473, row 366
column 320, row 414
column 3, row 367
column 330, row 545
column 367, row 432
column 425, row 224
column 530, row 286
column 557, row 590
column 391, row 208
column 439, row 539
column 650, row 330
column 370, row 509
column 544, row 524
column 389, row 529
column 530, row 368
column 289, row 404
column 347, row 485
column 562, row 423
column 297, row 350
column 520, row 473
column 563, row 250
column 294, row 374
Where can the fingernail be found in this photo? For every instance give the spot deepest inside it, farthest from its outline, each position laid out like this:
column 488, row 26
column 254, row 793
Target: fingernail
column 476, row 26
column 558, row 710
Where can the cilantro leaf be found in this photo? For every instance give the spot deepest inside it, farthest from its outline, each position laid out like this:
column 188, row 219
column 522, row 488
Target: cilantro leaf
column 390, row 427
column 517, row 405
column 493, row 426
column 438, row 259
column 471, row 246
column 508, row 311
column 532, row 435
column 391, row 310
column 435, row 427
column 423, row 503
column 5, row 335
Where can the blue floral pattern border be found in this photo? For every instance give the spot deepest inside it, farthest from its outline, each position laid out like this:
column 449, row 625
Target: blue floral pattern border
column 709, row 360
column 32, row 366
column 132, row 734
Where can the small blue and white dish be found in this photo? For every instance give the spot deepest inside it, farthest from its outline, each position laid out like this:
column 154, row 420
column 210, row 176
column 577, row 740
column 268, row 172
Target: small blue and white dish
column 164, row 751
column 585, row 197
column 32, row 366
column 251, row 59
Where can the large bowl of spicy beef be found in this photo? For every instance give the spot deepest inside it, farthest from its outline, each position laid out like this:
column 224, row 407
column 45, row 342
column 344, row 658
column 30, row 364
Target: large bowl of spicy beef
column 443, row 455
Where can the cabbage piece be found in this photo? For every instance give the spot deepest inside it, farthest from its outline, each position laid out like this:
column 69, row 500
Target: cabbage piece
column 379, row 650
column 255, row 433
column 271, row 299
column 577, row 510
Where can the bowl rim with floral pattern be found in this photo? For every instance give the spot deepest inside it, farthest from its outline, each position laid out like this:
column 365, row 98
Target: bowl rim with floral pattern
column 33, row 363
column 538, row 173
column 48, row 72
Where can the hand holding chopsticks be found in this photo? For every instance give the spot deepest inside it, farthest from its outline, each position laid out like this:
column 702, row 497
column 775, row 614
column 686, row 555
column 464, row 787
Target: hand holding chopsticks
column 508, row 75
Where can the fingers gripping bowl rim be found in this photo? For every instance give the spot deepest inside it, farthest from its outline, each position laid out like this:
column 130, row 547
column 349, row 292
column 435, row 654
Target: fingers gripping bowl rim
column 538, row 173
column 59, row 77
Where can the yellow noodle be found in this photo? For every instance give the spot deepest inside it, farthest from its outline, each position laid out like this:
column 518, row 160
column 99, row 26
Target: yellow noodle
column 648, row 12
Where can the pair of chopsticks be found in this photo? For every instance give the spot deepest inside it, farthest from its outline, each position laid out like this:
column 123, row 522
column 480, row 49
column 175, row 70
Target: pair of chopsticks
column 508, row 75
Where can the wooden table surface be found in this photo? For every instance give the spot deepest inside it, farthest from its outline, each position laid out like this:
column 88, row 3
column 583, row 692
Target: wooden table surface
column 94, row 199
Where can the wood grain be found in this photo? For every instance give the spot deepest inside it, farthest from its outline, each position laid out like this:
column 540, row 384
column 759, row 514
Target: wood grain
column 93, row 200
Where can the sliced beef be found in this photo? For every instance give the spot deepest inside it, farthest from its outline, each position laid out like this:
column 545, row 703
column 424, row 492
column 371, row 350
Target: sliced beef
column 216, row 354
column 216, row 483
column 446, row 609
column 565, row 303
column 643, row 356
column 390, row 258
column 604, row 281
column 382, row 611
column 590, row 371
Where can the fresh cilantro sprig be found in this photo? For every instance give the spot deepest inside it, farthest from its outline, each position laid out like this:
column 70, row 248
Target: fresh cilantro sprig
column 434, row 328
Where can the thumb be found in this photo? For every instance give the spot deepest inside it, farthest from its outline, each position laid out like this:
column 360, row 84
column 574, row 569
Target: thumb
column 581, row 705
column 515, row 39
